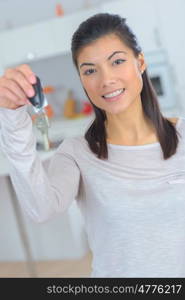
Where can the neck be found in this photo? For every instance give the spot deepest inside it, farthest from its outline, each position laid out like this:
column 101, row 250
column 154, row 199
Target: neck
column 130, row 127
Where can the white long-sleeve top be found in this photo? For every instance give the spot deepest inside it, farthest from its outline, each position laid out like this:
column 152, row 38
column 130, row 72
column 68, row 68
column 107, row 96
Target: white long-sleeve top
column 133, row 203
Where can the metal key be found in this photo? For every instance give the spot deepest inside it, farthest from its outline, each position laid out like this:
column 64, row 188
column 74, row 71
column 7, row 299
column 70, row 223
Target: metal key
column 39, row 101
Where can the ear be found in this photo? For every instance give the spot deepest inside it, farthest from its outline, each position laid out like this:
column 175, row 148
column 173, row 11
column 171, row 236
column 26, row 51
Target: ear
column 141, row 62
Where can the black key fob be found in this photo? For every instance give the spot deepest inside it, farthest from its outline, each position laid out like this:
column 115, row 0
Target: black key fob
column 38, row 99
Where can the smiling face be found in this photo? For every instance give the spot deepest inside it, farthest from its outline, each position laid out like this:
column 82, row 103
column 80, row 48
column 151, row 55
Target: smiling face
column 111, row 74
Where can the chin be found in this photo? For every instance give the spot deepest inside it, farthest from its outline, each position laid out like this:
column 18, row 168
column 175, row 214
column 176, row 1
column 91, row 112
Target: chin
column 117, row 110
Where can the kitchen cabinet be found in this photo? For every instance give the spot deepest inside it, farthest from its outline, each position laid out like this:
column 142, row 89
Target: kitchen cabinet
column 62, row 237
column 18, row 44
column 148, row 19
column 142, row 18
column 40, row 40
column 63, row 29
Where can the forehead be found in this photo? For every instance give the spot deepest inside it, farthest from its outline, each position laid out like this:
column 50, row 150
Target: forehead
column 102, row 48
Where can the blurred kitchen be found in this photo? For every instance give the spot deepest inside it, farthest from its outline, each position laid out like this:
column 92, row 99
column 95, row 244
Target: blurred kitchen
column 39, row 33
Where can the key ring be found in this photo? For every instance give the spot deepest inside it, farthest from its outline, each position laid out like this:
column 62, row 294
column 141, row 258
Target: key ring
column 38, row 102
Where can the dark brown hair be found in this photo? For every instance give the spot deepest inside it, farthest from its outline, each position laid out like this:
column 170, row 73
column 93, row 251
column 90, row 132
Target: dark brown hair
column 90, row 30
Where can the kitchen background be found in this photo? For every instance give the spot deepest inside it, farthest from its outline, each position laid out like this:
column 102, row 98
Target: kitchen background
column 39, row 33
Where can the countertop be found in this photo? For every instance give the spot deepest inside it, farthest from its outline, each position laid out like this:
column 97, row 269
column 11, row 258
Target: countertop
column 59, row 129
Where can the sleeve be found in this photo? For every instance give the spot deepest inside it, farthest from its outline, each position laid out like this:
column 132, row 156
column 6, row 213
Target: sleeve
column 41, row 193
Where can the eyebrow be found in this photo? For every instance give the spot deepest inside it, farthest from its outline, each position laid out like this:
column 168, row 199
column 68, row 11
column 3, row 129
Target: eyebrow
column 91, row 64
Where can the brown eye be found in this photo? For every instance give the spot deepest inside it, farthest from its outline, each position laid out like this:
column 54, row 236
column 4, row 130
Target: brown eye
column 89, row 71
column 119, row 61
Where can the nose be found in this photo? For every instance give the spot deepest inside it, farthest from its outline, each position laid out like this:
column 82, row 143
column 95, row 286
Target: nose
column 107, row 78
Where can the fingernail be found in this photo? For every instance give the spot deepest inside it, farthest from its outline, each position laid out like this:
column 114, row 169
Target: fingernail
column 30, row 93
column 32, row 79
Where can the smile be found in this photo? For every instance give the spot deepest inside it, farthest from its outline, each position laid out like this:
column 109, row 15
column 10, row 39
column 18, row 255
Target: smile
column 114, row 95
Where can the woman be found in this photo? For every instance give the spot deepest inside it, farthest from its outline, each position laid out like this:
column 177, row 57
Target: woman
column 127, row 174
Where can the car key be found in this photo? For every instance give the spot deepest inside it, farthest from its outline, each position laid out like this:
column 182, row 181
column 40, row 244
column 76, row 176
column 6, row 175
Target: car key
column 39, row 101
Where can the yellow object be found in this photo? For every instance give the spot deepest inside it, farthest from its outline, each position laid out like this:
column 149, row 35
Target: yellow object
column 70, row 106
column 79, row 115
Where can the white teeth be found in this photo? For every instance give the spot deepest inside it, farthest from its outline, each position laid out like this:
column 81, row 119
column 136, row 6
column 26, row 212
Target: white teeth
column 116, row 93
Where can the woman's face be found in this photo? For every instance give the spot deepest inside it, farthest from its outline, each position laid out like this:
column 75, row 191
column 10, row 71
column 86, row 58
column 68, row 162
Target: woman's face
column 111, row 74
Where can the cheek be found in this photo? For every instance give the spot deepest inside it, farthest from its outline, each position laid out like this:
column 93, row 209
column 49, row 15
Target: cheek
column 139, row 83
column 90, row 87
column 135, row 81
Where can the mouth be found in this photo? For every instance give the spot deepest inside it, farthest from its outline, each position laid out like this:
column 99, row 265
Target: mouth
column 113, row 96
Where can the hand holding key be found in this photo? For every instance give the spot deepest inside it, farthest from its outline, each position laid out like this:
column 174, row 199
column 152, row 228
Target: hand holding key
column 20, row 86
column 16, row 86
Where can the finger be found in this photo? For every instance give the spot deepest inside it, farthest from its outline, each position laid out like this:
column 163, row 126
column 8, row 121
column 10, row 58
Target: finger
column 12, row 105
column 15, row 88
column 21, row 80
column 27, row 71
column 10, row 96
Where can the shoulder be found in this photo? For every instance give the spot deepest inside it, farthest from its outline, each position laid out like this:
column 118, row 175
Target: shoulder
column 179, row 125
column 179, row 122
column 71, row 144
column 173, row 120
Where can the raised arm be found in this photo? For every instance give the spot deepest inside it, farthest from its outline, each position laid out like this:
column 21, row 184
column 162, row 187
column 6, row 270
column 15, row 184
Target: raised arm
column 41, row 194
